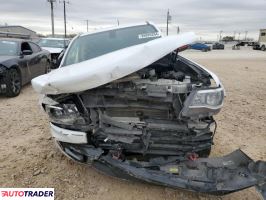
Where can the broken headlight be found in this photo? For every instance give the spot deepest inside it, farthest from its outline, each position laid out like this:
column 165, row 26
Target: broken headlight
column 66, row 114
column 202, row 103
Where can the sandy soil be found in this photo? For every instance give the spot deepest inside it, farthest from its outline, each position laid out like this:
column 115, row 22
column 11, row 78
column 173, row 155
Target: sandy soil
column 28, row 157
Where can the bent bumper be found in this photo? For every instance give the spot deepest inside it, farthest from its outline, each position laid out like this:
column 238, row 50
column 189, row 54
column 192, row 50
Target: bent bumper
column 65, row 135
column 217, row 176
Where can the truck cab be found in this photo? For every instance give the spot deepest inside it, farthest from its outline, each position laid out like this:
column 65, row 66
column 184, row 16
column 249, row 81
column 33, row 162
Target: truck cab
column 262, row 41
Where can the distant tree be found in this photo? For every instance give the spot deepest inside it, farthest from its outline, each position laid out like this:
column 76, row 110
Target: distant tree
column 71, row 35
column 228, row 38
column 40, row 35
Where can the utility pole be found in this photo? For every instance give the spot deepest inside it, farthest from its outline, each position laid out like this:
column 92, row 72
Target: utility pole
column 52, row 14
column 220, row 37
column 87, row 21
column 64, row 3
column 234, row 35
column 168, row 20
column 246, row 33
column 177, row 30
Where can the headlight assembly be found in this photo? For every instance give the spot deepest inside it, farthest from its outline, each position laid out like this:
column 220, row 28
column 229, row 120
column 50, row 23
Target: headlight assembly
column 66, row 114
column 202, row 103
column 208, row 98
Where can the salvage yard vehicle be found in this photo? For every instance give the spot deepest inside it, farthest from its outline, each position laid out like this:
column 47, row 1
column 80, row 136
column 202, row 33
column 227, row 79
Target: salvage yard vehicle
column 125, row 102
column 200, row 46
column 218, row 45
column 20, row 61
column 55, row 46
column 261, row 44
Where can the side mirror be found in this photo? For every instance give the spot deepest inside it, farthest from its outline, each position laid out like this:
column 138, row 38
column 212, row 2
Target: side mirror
column 27, row 52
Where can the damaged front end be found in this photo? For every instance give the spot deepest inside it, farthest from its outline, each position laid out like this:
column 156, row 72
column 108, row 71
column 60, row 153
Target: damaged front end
column 3, row 73
column 145, row 116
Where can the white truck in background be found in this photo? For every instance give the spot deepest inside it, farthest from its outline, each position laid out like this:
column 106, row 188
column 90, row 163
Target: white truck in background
column 261, row 45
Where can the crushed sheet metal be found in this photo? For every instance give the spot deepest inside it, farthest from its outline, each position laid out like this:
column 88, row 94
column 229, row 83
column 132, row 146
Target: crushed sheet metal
column 109, row 67
column 213, row 75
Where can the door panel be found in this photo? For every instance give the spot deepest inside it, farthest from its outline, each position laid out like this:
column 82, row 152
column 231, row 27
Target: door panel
column 39, row 61
column 24, row 68
column 29, row 59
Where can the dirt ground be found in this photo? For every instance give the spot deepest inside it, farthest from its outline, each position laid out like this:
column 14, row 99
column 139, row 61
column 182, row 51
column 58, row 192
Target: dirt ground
column 28, row 157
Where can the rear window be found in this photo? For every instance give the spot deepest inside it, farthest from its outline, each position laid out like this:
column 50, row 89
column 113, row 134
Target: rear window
column 53, row 43
column 93, row 45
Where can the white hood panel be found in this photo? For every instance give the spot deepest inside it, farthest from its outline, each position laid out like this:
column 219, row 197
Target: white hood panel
column 109, row 67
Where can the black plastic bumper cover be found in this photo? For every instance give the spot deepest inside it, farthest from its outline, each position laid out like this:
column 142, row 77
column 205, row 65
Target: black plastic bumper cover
column 218, row 176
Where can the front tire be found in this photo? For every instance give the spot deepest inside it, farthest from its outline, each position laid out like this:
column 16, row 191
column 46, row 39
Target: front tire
column 263, row 48
column 13, row 83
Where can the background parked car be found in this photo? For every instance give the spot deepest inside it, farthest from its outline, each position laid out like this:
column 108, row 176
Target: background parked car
column 200, row 46
column 218, row 45
column 261, row 44
column 20, row 61
column 55, row 46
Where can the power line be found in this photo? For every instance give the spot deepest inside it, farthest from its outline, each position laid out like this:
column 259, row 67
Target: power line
column 52, row 14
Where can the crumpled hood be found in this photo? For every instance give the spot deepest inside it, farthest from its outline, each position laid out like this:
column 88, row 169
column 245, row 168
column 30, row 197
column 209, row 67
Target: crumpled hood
column 109, row 67
column 53, row 50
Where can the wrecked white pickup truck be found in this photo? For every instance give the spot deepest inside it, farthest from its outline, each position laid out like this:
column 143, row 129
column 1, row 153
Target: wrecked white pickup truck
column 124, row 101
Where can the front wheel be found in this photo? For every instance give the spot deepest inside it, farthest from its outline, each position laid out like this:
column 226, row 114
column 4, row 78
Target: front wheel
column 13, row 83
column 263, row 48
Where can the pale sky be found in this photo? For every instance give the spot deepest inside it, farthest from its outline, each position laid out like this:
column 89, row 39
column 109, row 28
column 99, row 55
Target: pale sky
column 205, row 17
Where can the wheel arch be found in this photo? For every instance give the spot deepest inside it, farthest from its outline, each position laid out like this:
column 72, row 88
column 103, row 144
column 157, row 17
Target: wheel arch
column 16, row 67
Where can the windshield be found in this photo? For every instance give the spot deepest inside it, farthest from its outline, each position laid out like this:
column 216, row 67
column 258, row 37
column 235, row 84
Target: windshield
column 8, row 48
column 93, row 45
column 53, row 43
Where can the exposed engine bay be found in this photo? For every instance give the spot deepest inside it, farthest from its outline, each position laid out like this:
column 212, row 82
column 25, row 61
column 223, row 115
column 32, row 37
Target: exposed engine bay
column 142, row 112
